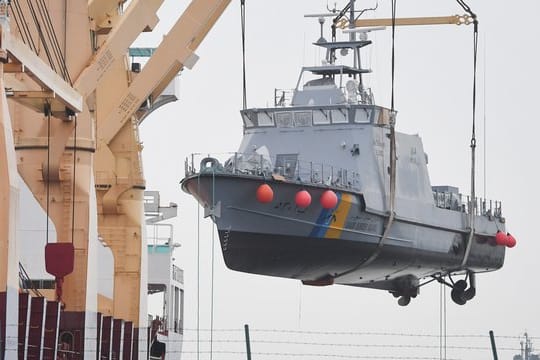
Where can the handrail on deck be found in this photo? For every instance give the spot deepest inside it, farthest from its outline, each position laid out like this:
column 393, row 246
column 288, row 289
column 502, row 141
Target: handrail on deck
column 254, row 164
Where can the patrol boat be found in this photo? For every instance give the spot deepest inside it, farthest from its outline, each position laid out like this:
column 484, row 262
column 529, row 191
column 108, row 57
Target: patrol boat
column 324, row 190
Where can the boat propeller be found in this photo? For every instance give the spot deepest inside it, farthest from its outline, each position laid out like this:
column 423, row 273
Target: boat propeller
column 461, row 290
column 460, row 293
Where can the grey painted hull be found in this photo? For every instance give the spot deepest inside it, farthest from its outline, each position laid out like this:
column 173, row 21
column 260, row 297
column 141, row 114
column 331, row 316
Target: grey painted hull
column 342, row 244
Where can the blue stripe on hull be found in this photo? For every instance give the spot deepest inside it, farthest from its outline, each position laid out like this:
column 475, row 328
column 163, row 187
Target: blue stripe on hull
column 324, row 220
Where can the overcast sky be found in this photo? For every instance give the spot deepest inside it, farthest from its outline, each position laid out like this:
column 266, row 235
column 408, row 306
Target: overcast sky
column 433, row 97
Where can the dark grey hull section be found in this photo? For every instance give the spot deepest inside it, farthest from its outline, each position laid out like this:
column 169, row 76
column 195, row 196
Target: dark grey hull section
column 342, row 245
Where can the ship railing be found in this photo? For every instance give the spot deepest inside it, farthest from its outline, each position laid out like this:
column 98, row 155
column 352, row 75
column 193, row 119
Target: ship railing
column 364, row 96
column 283, row 97
column 291, row 168
column 462, row 203
column 159, row 234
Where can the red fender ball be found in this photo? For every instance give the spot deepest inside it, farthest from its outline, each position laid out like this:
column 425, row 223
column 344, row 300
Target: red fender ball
column 329, row 199
column 501, row 238
column 265, row 194
column 302, row 199
column 510, row 240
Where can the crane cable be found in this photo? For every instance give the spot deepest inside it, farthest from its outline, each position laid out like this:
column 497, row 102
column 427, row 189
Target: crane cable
column 46, row 34
column 392, row 167
column 41, row 35
column 213, row 265
column 47, row 181
column 472, row 203
column 442, row 321
column 243, row 23
column 393, row 157
column 393, row 52
column 198, row 266
column 22, row 25
column 393, row 149
column 74, row 183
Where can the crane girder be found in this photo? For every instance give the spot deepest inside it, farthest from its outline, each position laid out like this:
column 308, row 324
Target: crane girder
column 130, row 25
column 55, row 90
column 101, row 12
column 174, row 53
column 412, row 21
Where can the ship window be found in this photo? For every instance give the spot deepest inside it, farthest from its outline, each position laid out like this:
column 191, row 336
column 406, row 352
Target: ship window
column 284, row 119
column 65, row 343
column 302, row 118
column 339, row 116
column 247, row 121
column 265, row 119
column 178, row 310
column 362, row 116
column 320, row 117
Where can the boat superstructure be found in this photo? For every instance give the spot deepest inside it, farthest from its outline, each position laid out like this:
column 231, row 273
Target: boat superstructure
column 324, row 190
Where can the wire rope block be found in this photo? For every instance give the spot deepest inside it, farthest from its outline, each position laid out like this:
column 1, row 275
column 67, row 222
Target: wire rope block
column 59, row 261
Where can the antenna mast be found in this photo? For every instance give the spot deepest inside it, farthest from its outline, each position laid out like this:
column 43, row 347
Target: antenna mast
column 352, row 35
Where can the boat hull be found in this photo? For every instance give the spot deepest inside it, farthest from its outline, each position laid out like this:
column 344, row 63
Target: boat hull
column 341, row 245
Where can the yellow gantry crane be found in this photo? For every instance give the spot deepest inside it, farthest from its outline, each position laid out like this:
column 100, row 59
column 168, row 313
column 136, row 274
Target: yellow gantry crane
column 68, row 128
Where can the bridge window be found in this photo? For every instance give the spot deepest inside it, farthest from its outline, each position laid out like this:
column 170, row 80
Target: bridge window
column 284, row 119
column 302, row 118
column 362, row 116
column 339, row 116
column 247, row 121
column 265, row 119
column 320, row 117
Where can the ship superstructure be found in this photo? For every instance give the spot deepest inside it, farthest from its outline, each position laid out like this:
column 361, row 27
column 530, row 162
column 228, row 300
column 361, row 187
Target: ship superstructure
column 165, row 280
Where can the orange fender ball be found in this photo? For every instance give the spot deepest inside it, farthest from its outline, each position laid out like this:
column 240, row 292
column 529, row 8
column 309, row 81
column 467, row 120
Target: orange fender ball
column 302, row 199
column 500, row 238
column 510, row 241
column 265, row 194
column 329, row 199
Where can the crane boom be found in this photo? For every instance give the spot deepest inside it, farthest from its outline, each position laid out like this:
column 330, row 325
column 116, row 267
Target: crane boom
column 175, row 52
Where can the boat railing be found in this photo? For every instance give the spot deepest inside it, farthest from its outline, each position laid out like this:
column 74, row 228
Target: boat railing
column 362, row 96
column 159, row 234
column 283, row 97
column 290, row 169
column 463, row 203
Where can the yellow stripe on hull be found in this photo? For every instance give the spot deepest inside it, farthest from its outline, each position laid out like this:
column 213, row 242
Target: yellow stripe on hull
column 341, row 213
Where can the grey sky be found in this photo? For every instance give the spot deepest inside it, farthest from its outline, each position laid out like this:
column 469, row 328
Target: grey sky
column 433, row 97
